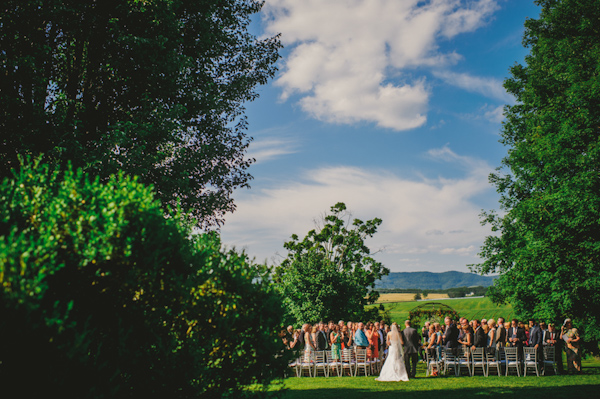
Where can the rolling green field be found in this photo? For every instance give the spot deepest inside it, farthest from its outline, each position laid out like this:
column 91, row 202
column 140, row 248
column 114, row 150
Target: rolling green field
column 586, row 385
column 471, row 308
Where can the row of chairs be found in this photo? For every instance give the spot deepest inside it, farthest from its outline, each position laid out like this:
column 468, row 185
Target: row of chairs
column 504, row 359
column 352, row 360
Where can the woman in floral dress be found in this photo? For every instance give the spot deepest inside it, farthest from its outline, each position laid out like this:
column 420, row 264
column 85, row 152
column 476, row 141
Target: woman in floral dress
column 336, row 342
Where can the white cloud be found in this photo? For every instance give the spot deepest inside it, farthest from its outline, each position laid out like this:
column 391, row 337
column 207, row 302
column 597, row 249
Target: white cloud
column 495, row 115
column 488, row 87
column 344, row 54
column 420, row 217
column 268, row 149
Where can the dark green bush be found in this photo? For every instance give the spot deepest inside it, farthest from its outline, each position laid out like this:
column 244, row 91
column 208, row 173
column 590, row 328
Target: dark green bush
column 102, row 296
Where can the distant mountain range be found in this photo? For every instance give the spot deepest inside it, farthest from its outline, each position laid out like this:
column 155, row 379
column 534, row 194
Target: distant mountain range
column 433, row 281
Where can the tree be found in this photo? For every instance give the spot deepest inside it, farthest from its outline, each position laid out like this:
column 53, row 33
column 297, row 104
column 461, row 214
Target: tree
column 152, row 88
column 329, row 274
column 418, row 296
column 546, row 243
column 102, row 296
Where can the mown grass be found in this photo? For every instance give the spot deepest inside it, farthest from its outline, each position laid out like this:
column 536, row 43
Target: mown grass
column 586, row 385
column 471, row 308
column 402, row 297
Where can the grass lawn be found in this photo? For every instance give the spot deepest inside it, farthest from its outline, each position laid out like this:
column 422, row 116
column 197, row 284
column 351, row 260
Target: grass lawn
column 586, row 385
column 471, row 308
column 404, row 297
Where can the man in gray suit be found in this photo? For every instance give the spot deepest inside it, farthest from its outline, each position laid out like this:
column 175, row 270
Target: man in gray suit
column 412, row 342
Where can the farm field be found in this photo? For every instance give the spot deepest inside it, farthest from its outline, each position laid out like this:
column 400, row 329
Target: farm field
column 586, row 385
column 471, row 308
column 405, row 297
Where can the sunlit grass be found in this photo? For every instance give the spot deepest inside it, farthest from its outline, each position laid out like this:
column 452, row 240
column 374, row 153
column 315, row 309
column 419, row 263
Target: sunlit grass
column 586, row 385
column 471, row 308
column 405, row 297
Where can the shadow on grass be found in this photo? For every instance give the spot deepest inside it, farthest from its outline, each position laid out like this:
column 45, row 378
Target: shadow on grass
column 566, row 391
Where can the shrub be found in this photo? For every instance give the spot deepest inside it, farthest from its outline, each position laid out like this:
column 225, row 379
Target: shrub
column 102, row 296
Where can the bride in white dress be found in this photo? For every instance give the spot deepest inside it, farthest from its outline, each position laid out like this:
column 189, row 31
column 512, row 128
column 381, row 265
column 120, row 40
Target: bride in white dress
column 394, row 368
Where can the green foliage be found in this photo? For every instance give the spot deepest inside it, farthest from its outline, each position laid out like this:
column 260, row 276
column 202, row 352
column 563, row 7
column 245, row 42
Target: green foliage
column 152, row 88
column 329, row 274
column 546, row 244
column 102, row 296
column 433, row 312
column 418, row 296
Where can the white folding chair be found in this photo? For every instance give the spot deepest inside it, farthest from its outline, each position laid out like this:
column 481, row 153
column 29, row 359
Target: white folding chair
column 333, row 364
column 295, row 365
column 307, row 363
column 478, row 360
column 347, row 361
column 431, row 361
column 321, row 363
column 362, row 362
column 463, row 360
column 512, row 359
column 450, row 360
column 493, row 361
column 530, row 360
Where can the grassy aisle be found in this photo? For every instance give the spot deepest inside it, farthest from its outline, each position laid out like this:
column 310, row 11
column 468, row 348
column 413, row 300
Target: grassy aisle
column 530, row 387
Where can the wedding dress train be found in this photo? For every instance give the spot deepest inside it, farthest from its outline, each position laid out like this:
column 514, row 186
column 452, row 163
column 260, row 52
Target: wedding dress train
column 394, row 368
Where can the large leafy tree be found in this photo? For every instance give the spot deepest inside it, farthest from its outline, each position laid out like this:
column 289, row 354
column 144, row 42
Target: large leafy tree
column 330, row 273
column 153, row 88
column 547, row 246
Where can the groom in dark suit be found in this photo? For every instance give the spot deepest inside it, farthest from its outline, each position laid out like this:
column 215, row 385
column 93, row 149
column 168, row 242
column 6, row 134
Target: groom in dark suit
column 412, row 342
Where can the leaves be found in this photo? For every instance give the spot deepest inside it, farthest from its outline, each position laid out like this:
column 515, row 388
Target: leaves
column 154, row 89
column 110, row 298
column 547, row 247
column 329, row 274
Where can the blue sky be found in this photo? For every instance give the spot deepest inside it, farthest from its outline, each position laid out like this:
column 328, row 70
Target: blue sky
column 391, row 106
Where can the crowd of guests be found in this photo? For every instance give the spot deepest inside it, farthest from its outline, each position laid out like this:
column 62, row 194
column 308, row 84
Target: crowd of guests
column 490, row 334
